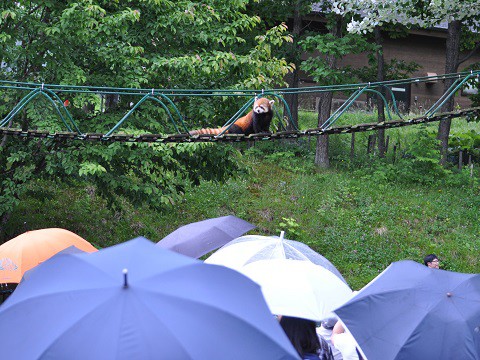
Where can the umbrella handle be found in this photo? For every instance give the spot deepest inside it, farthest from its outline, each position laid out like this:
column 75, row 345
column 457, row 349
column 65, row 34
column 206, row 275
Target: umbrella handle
column 125, row 282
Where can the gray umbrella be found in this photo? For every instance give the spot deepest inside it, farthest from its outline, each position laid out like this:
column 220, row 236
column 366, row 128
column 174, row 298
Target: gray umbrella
column 412, row 312
column 199, row 238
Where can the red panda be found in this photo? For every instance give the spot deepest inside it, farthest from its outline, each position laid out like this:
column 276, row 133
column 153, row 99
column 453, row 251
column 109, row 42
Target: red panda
column 256, row 121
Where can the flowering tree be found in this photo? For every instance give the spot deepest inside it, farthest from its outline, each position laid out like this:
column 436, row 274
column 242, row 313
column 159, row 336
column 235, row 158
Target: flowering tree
column 151, row 44
column 459, row 14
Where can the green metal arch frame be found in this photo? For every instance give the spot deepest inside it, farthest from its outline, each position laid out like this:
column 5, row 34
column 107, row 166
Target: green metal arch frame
column 166, row 98
column 394, row 102
column 449, row 93
column 346, row 105
column 18, row 107
column 31, row 96
column 285, row 104
column 141, row 101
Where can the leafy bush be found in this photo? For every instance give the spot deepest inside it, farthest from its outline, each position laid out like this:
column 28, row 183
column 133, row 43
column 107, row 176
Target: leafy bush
column 153, row 174
column 468, row 142
column 291, row 228
column 293, row 155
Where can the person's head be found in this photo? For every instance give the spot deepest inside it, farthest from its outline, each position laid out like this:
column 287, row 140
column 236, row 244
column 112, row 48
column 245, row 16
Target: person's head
column 329, row 322
column 302, row 334
column 431, row 260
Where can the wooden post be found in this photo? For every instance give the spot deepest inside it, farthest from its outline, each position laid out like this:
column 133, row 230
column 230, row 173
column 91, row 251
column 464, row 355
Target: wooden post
column 394, row 154
column 387, row 140
column 460, row 159
column 371, row 143
column 352, row 147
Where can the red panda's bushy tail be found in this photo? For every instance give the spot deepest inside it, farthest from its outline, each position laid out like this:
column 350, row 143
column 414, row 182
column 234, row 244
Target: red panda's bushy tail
column 216, row 131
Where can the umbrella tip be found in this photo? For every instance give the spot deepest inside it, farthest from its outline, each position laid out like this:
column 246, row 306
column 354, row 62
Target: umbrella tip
column 125, row 283
column 282, row 234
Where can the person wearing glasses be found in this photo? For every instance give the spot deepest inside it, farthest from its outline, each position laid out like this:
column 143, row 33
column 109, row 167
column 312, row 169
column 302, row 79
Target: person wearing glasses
column 431, row 260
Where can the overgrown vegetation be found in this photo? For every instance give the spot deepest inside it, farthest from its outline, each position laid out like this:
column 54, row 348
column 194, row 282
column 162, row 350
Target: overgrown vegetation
column 361, row 214
column 154, row 44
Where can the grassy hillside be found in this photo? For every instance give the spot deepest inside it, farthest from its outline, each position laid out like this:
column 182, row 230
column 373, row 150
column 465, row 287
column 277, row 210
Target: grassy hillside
column 361, row 216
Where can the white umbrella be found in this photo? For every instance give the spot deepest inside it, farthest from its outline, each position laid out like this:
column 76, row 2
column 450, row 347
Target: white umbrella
column 298, row 288
column 246, row 249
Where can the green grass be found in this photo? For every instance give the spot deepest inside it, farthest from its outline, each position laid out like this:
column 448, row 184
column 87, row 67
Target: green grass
column 352, row 214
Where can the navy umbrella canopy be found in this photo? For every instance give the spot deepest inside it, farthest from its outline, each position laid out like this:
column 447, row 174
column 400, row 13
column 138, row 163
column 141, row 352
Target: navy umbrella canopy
column 137, row 301
column 411, row 312
column 201, row 237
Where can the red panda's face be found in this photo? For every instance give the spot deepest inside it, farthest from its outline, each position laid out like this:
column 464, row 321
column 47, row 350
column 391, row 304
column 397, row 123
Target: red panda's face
column 262, row 106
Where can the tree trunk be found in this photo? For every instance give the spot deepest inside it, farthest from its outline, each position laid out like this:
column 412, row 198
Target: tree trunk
column 111, row 101
column 451, row 66
column 292, row 100
column 293, row 79
column 380, row 78
column 321, row 150
column 325, row 107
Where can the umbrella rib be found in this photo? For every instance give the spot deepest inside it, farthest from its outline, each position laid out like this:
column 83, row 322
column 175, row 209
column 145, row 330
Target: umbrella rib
column 302, row 255
column 413, row 330
column 72, row 324
column 153, row 314
column 374, row 336
column 85, row 314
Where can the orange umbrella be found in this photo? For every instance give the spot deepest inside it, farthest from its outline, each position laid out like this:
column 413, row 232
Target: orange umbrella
column 29, row 249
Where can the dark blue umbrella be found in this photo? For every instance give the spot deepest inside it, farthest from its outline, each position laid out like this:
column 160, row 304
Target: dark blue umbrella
column 411, row 312
column 137, row 301
column 199, row 238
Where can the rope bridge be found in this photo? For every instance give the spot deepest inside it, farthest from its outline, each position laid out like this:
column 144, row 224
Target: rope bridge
column 165, row 98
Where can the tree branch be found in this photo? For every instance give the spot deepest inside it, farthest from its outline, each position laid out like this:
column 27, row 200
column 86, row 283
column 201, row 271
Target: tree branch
column 30, row 12
column 470, row 54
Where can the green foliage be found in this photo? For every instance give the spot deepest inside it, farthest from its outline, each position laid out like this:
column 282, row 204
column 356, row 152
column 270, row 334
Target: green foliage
column 293, row 156
column 288, row 160
column 474, row 84
column 418, row 164
column 329, row 45
column 149, row 44
column 291, row 227
column 420, row 159
column 361, row 216
column 394, row 69
column 217, row 69
column 468, row 142
column 152, row 174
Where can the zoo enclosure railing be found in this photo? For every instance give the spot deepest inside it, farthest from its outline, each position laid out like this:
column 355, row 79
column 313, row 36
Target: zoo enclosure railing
column 165, row 98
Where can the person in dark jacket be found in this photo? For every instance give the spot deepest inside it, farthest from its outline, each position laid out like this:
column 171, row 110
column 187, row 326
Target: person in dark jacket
column 303, row 336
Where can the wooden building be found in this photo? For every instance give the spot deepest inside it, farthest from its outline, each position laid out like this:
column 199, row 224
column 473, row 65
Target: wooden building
column 424, row 47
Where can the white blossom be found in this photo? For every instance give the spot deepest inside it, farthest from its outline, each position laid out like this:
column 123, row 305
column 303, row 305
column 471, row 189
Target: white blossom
column 378, row 12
